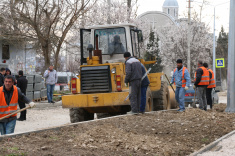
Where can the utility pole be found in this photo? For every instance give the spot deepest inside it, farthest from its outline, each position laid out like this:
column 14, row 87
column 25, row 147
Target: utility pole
column 189, row 37
column 231, row 62
column 214, row 69
column 25, row 56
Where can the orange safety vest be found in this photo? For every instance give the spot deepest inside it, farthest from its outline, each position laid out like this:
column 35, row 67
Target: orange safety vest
column 183, row 79
column 212, row 83
column 205, row 77
column 12, row 107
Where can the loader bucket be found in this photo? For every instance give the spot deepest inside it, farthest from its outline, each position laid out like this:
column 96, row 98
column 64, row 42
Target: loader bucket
column 172, row 97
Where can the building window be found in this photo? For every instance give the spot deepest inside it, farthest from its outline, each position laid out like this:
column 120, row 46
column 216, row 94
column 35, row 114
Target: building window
column 174, row 13
column 5, row 52
column 168, row 11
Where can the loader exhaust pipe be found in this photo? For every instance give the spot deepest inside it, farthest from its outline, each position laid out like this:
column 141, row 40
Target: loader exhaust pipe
column 97, row 52
column 90, row 48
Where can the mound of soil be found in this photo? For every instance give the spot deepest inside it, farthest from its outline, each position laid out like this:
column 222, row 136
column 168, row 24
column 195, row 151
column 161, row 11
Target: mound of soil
column 159, row 133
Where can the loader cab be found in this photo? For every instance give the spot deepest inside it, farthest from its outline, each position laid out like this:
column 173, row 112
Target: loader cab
column 113, row 41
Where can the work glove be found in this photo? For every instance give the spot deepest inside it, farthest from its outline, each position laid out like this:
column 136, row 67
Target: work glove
column 126, row 84
column 194, row 87
column 186, row 88
column 32, row 104
column 171, row 83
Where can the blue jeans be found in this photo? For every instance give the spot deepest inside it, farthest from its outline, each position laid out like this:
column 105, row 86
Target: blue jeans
column 7, row 127
column 179, row 96
column 143, row 98
column 50, row 89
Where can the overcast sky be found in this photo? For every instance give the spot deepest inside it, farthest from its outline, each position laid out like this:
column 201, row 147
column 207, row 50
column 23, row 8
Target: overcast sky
column 222, row 11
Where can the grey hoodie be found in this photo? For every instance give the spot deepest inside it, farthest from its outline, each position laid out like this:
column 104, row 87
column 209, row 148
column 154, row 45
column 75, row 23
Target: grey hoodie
column 133, row 70
column 51, row 78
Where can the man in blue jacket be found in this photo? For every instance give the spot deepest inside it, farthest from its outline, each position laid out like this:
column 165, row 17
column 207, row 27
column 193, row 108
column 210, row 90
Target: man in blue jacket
column 181, row 78
column 144, row 86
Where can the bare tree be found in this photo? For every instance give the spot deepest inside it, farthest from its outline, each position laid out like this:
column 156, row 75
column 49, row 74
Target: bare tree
column 47, row 22
column 174, row 44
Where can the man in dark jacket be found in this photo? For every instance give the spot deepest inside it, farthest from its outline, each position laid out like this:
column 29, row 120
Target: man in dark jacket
column 22, row 83
column 210, row 86
column 202, row 79
column 10, row 95
column 8, row 72
column 133, row 77
column 144, row 86
column 2, row 74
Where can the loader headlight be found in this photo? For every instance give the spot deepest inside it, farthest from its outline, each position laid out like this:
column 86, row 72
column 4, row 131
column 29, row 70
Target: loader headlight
column 113, row 70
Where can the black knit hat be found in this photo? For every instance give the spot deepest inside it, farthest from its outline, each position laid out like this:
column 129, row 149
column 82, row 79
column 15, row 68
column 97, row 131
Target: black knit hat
column 127, row 54
column 179, row 61
column 21, row 72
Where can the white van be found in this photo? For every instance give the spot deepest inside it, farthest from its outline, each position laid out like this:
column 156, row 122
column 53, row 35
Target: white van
column 63, row 80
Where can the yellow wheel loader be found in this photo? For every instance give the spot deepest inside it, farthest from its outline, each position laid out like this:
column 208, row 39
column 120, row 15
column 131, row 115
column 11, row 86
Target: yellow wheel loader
column 100, row 87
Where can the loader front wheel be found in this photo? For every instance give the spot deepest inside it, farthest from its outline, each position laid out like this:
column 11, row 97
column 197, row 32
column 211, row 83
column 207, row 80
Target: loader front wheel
column 79, row 115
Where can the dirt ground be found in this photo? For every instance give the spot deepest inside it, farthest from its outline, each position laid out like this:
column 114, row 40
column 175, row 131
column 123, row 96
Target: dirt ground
column 40, row 118
column 158, row 133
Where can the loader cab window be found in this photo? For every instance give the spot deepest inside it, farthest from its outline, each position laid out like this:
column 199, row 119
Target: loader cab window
column 112, row 41
column 135, row 45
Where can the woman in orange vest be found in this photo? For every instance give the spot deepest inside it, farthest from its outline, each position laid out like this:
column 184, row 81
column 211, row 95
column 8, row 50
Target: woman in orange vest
column 211, row 85
column 9, row 97
column 202, row 79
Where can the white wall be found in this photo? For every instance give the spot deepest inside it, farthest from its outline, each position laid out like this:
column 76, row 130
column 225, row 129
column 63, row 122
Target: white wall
column 17, row 59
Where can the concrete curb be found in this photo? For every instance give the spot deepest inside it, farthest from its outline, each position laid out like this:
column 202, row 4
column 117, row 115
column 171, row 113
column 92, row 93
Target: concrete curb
column 44, row 105
column 71, row 124
column 212, row 145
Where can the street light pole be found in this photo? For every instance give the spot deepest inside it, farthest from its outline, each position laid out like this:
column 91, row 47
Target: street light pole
column 231, row 62
column 214, row 54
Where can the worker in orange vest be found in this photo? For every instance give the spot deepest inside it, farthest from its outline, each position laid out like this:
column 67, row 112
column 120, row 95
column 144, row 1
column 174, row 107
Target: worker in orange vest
column 9, row 97
column 201, row 82
column 210, row 87
column 181, row 78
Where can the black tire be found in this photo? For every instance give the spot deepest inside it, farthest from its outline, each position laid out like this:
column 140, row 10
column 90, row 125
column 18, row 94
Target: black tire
column 162, row 101
column 149, row 100
column 79, row 115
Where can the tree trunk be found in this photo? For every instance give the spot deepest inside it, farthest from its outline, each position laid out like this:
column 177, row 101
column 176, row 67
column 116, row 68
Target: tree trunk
column 46, row 55
column 128, row 10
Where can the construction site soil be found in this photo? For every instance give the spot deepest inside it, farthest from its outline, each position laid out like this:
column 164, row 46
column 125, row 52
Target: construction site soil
column 160, row 133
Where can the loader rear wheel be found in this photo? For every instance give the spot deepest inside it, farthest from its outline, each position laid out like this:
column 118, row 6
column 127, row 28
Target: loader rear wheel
column 79, row 115
column 149, row 100
column 162, row 102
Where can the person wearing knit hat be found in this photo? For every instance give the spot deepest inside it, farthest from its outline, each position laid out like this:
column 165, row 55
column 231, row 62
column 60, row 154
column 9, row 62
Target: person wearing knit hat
column 8, row 72
column 22, row 83
column 133, row 77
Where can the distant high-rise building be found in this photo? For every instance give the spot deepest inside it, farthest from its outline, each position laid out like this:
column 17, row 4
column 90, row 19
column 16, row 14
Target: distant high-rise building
column 171, row 8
